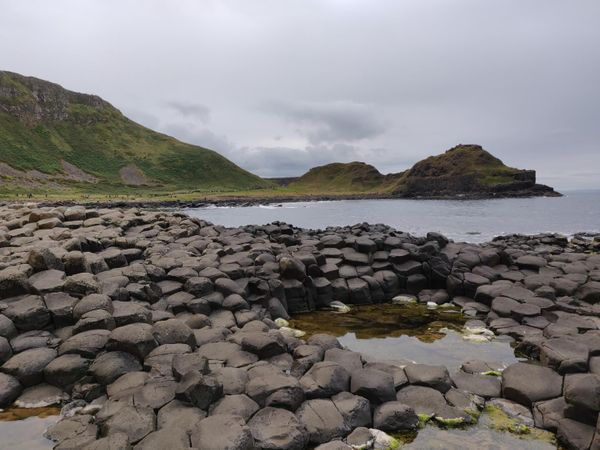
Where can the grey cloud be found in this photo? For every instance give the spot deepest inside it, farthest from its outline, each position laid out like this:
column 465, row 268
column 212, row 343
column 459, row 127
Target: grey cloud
column 336, row 121
column 286, row 161
column 190, row 110
column 295, row 84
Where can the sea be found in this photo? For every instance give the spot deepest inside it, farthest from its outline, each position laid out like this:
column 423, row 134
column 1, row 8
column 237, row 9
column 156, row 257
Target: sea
column 460, row 220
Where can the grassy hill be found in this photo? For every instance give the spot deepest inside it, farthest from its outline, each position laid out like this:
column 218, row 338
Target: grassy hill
column 464, row 170
column 52, row 138
column 340, row 178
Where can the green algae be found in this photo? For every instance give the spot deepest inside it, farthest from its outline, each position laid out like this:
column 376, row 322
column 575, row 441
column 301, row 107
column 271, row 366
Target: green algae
column 492, row 373
column 500, row 421
column 424, row 418
column 405, row 437
column 451, row 422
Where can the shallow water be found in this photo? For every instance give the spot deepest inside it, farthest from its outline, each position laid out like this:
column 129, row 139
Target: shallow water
column 405, row 333
column 461, row 220
column 23, row 428
column 478, row 437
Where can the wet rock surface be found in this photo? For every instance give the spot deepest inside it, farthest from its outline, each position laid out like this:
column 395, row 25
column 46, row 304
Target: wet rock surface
column 162, row 330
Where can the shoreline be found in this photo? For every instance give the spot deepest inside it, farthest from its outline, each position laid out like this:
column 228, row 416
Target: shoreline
column 242, row 201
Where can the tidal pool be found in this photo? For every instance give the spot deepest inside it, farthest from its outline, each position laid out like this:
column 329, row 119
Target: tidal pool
column 404, row 333
column 23, row 428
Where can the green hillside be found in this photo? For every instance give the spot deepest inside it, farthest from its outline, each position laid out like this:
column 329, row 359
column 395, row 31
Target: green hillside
column 465, row 160
column 81, row 141
column 340, row 177
column 464, row 170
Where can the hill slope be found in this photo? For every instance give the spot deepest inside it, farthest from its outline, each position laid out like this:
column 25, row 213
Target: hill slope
column 462, row 171
column 340, row 177
column 54, row 138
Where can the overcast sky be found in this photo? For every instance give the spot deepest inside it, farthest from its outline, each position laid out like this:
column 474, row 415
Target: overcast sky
column 279, row 86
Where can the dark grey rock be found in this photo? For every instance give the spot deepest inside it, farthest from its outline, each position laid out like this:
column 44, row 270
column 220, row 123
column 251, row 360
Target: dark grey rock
column 60, row 305
column 92, row 302
column 179, row 415
column 28, row 366
column 5, row 350
column 583, row 391
column 66, row 370
column 135, row 422
column 10, row 389
column 482, row 385
column 198, row 389
column 423, row 400
column 575, row 435
column 116, row 441
column 325, row 379
column 184, row 363
column 240, row 405
column 175, row 439
column 436, row 377
column 47, row 281
column 28, row 312
column 394, row 416
column 322, row 420
column 548, row 413
column 173, row 331
column 517, row 385
column 136, row 338
column 87, row 344
column 109, row 366
column 565, row 355
column 375, row 385
column 222, row 432
column 73, row 432
column 349, row 360
column 263, row 345
column 277, row 390
column 275, row 428
column 14, row 280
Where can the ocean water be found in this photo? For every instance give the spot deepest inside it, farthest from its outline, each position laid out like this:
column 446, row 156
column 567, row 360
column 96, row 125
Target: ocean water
column 460, row 220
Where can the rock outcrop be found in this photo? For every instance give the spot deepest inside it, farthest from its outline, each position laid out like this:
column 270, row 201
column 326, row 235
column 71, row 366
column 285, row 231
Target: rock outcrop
column 464, row 171
column 161, row 330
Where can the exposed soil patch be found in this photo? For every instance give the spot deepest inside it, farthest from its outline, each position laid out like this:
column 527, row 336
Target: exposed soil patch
column 36, row 179
column 133, row 176
column 76, row 174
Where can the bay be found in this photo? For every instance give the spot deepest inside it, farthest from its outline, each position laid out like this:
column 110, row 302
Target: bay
column 460, row 220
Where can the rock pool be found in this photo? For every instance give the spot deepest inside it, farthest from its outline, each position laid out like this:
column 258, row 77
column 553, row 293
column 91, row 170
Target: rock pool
column 405, row 333
column 414, row 333
column 23, row 428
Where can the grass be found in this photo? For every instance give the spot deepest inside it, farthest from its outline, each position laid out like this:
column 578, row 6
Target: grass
column 98, row 139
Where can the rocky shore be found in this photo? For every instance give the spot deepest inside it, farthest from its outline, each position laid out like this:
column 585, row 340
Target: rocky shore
column 156, row 330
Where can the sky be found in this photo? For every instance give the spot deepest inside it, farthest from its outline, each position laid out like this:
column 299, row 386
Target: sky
column 279, row 86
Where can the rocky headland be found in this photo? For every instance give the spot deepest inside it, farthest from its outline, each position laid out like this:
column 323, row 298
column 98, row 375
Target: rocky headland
column 157, row 330
column 462, row 172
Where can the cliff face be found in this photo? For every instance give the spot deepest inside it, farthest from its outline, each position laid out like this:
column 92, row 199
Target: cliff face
column 53, row 138
column 34, row 101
